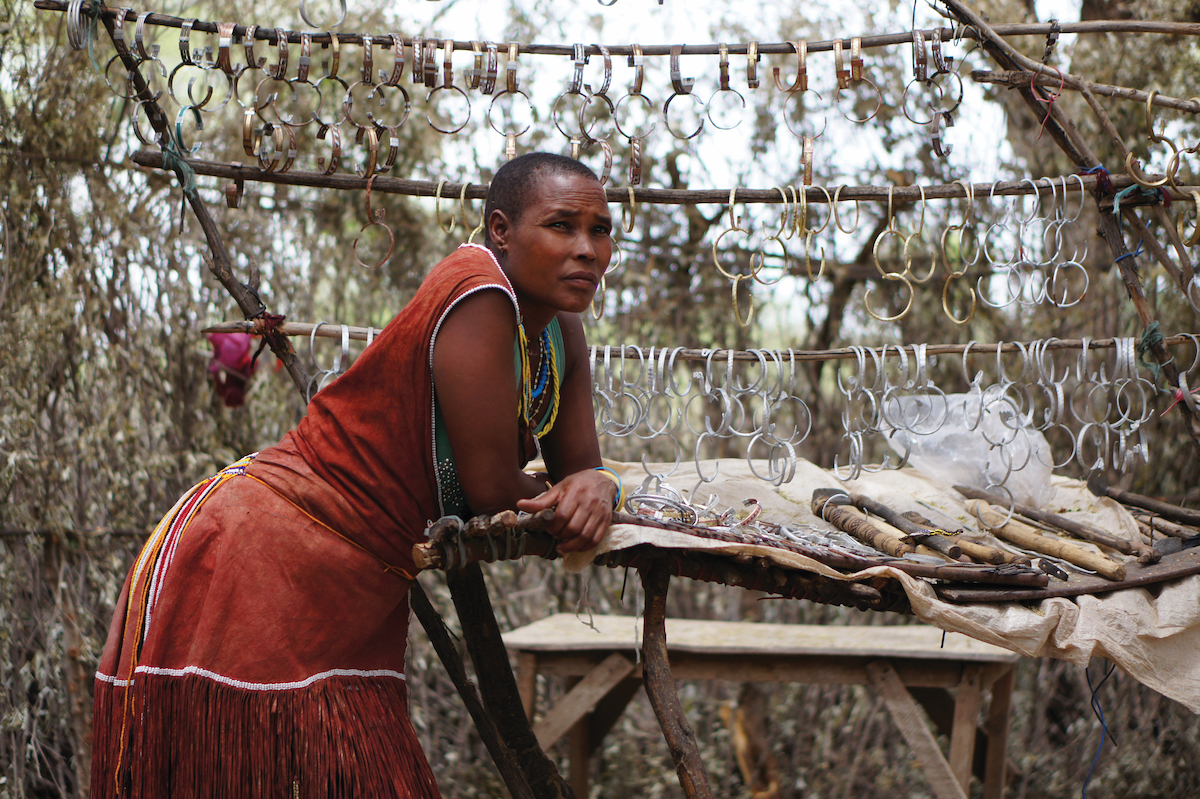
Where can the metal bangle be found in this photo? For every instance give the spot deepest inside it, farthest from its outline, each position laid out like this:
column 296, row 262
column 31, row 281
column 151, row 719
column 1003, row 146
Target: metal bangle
column 429, row 118
column 667, row 117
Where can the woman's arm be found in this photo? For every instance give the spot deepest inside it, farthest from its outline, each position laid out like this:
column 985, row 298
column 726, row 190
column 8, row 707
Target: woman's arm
column 477, row 393
column 582, row 496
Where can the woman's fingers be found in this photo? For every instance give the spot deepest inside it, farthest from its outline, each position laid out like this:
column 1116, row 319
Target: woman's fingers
column 583, row 509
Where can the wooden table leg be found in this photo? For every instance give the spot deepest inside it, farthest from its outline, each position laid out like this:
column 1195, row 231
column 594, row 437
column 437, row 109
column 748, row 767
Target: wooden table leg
column 579, row 751
column 581, row 698
column 997, row 730
column 527, row 682
column 968, row 698
column 660, row 686
column 915, row 730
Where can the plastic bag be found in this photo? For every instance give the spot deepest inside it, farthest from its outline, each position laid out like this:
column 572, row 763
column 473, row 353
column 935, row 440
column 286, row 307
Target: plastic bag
column 979, row 439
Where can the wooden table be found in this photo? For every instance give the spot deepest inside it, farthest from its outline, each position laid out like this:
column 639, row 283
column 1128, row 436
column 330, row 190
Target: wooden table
column 907, row 664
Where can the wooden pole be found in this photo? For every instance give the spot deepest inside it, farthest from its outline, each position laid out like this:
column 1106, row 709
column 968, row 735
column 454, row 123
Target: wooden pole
column 477, row 191
column 439, row 636
column 497, row 683
column 660, row 685
column 764, row 48
column 333, row 331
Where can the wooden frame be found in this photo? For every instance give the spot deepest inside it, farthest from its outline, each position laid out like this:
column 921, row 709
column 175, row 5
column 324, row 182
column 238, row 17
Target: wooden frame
column 908, row 666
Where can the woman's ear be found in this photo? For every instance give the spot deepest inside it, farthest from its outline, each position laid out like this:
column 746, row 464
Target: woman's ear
column 498, row 229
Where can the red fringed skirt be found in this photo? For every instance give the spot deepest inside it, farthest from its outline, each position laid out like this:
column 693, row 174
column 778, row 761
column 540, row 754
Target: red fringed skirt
column 255, row 653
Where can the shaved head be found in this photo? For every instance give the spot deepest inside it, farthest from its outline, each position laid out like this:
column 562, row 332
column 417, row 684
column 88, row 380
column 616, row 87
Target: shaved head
column 517, row 181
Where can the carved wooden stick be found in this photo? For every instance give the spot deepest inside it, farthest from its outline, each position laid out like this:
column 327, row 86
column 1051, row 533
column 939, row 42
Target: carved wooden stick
column 864, row 531
column 1078, row 529
column 1027, row 537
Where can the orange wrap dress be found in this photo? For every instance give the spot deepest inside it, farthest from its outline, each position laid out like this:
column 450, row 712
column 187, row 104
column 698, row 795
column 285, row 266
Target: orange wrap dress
column 258, row 646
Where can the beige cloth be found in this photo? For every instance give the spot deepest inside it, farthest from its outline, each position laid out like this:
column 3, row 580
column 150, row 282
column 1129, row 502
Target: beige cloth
column 1154, row 637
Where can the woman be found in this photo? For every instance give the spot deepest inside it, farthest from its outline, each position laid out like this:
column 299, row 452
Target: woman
column 258, row 646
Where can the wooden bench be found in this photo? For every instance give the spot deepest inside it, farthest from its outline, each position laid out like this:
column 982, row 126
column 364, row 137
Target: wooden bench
column 908, row 665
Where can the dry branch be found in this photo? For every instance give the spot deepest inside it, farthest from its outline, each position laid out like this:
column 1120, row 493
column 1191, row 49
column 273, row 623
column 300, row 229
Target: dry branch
column 1053, row 80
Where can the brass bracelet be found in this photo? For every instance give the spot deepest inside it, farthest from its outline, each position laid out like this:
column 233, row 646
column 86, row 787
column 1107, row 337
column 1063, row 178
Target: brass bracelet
column 335, row 154
column 418, row 67
column 335, row 56
column 603, row 90
column 437, row 209
column 368, row 60
column 462, row 204
column 512, row 83
column 251, row 137
column 372, row 137
column 680, row 84
column 305, row 62
column 752, row 58
column 493, row 68
column 723, row 67
column 806, row 159
column 800, row 84
column 224, row 43
column 856, row 58
column 430, row 70
column 843, row 75
column 920, row 61
column 637, row 61
column 447, row 63
column 248, row 40
column 474, row 75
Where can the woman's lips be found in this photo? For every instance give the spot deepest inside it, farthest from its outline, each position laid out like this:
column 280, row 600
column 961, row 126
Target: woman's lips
column 583, row 278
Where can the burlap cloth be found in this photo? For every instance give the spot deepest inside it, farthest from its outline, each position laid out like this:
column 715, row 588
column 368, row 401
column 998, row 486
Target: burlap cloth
column 1152, row 634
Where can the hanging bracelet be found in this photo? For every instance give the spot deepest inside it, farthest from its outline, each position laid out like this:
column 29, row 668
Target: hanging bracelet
column 619, row 499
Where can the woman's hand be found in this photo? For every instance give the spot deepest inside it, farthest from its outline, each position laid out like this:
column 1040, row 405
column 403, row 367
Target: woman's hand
column 583, row 505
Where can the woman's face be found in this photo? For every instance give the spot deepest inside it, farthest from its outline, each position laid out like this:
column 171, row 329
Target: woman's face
column 559, row 248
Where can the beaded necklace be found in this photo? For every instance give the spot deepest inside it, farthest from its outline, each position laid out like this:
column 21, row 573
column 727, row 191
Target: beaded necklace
column 548, row 376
